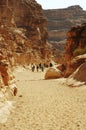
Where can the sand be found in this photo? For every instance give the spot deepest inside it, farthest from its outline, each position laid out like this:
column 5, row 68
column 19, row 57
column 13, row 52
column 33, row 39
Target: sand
column 46, row 104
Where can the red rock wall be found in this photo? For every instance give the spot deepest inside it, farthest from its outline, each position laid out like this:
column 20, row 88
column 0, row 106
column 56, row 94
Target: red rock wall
column 23, row 27
column 23, row 34
column 76, row 38
column 76, row 41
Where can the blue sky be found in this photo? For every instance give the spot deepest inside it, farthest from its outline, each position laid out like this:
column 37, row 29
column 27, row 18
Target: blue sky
column 57, row 4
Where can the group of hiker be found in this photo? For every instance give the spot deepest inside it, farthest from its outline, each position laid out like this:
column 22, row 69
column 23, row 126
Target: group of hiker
column 40, row 66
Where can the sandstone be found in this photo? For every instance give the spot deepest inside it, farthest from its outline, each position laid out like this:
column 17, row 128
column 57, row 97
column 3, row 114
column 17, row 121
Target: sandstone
column 1, row 81
column 23, row 26
column 75, row 41
column 78, row 78
column 61, row 67
column 14, row 89
column 59, row 22
column 80, row 73
column 52, row 74
column 4, row 73
column 75, row 46
column 75, row 63
column 23, row 39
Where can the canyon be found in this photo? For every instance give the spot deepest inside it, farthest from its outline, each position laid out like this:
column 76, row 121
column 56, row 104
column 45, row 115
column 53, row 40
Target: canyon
column 23, row 35
column 30, row 35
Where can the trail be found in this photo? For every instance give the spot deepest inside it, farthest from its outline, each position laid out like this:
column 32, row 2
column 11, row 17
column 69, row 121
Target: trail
column 46, row 104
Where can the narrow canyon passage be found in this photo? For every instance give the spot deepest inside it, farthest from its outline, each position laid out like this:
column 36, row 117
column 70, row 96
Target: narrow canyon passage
column 46, row 104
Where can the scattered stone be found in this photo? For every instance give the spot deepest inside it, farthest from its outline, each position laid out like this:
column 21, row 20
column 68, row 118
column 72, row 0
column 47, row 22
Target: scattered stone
column 20, row 96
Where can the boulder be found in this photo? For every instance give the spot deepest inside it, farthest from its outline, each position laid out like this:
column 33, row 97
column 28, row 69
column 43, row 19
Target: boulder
column 80, row 74
column 13, row 89
column 53, row 74
column 75, row 63
column 78, row 78
column 4, row 72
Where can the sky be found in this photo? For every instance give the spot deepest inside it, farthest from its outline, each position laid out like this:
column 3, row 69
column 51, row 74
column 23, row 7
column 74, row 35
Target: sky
column 57, row 4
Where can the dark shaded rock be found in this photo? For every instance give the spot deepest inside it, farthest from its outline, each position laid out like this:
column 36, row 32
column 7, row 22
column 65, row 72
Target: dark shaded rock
column 61, row 67
column 75, row 63
column 80, row 74
column 76, row 43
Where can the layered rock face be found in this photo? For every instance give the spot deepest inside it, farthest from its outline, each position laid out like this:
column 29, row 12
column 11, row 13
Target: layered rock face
column 76, row 42
column 23, row 29
column 59, row 21
column 75, row 46
column 23, row 37
column 52, row 24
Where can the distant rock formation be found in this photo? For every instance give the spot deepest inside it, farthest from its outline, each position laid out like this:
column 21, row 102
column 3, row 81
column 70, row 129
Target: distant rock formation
column 59, row 22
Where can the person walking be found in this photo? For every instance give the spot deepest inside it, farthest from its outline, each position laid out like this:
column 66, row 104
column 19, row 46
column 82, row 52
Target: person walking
column 37, row 68
column 33, row 67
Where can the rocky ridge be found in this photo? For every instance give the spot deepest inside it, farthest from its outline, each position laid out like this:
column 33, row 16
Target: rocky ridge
column 59, row 22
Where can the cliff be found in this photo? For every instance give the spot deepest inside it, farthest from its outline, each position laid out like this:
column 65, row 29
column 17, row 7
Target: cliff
column 23, row 30
column 23, row 36
column 76, row 42
column 59, row 22
column 75, row 46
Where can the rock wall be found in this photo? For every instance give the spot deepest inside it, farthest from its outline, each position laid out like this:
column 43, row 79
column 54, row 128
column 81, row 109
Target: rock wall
column 59, row 21
column 23, row 37
column 76, row 42
column 23, row 31
column 75, row 46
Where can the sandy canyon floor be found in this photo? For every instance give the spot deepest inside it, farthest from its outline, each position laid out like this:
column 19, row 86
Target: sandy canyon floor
column 46, row 104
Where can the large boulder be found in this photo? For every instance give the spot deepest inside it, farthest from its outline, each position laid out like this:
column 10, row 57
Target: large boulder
column 78, row 78
column 75, row 63
column 53, row 74
column 80, row 74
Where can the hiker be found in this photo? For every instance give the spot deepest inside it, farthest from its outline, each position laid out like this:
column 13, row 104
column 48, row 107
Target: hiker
column 33, row 67
column 51, row 64
column 42, row 67
column 37, row 67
